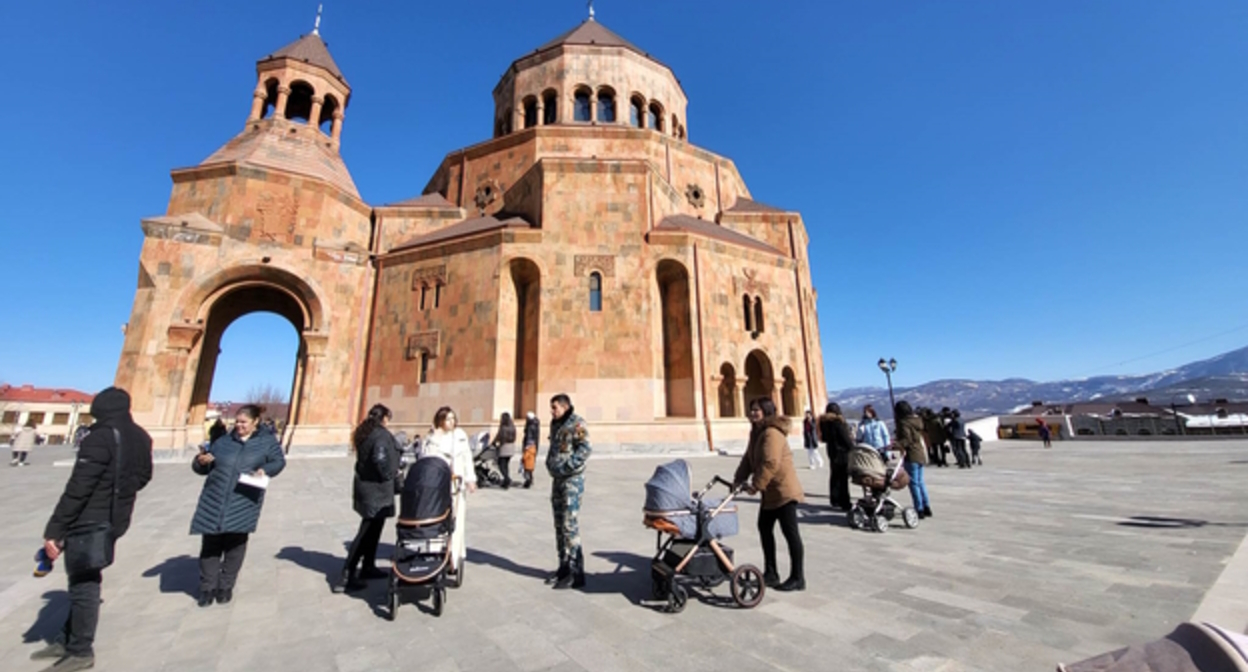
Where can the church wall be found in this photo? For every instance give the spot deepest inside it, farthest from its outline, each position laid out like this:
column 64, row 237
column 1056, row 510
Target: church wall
column 396, row 226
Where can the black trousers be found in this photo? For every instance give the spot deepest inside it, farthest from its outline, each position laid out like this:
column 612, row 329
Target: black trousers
column 364, row 546
column 220, row 558
column 84, row 613
column 504, row 465
column 787, row 516
column 19, row 456
column 959, row 452
column 838, row 484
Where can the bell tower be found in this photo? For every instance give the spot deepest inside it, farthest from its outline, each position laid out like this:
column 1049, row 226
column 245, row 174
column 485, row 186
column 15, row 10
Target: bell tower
column 301, row 85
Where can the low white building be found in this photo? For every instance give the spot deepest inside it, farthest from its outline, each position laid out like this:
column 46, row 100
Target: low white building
column 55, row 413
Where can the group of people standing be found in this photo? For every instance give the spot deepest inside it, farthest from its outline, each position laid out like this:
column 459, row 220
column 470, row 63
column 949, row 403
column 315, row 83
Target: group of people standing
column 945, row 432
column 504, row 442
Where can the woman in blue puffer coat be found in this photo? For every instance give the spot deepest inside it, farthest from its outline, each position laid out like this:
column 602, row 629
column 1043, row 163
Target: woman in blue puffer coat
column 228, row 509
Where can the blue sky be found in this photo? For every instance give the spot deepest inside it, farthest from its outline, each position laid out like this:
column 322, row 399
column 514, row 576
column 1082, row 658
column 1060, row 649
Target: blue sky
column 993, row 189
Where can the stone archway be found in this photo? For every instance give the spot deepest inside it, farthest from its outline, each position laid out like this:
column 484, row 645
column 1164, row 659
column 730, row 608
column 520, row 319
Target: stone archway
column 675, row 312
column 727, row 391
column 219, row 302
column 520, row 327
column 759, row 377
column 788, row 393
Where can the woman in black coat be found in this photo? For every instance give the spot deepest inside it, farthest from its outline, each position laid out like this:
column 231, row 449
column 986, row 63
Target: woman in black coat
column 834, row 430
column 228, row 509
column 505, row 442
column 376, row 481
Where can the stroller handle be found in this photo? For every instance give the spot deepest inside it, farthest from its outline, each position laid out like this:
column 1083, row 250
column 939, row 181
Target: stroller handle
column 733, row 490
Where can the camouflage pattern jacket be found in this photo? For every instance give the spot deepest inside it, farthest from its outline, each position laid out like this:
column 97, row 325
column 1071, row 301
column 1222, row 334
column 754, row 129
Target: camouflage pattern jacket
column 569, row 447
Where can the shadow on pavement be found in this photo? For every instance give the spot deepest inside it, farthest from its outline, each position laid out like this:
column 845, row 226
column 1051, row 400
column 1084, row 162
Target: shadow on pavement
column 177, row 575
column 51, row 619
column 330, row 567
column 479, row 557
column 1162, row 522
column 630, row 578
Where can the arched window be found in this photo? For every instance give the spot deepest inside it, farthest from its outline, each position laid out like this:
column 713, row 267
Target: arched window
column 326, row 122
column 299, row 102
column 550, row 107
column 424, row 367
column 654, row 120
column 637, row 112
column 749, row 313
column 424, row 293
column 581, row 110
column 606, row 106
column 595, row 292
column 675, row 126
column 270, row 98
column 758, row 314
column 530, row 112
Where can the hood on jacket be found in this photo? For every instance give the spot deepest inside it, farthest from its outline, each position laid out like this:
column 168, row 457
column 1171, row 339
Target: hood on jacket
column 110, row 404
column 780, row 422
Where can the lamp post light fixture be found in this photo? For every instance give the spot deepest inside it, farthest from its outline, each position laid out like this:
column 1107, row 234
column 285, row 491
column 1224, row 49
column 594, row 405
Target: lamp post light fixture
column 1174, row 410
column 888, row 368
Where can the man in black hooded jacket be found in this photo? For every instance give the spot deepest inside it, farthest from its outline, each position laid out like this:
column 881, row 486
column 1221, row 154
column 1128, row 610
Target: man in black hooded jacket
column 88, row 499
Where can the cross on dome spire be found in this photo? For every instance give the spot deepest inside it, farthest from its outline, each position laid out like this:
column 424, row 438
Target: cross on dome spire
column 591, row 10
column 316, row 27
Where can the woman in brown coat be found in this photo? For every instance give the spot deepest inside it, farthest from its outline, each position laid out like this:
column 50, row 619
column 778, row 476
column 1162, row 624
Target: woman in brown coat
column 768, row 466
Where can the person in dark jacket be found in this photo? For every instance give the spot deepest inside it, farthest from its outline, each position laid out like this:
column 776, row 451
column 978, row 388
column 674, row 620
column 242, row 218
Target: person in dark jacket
column 505, row 442
column 532, row 435
column 834, row 430
column 910, row 441
column 976, row 442
column 934, row 432
column 101, row 466
column 565, row 462
column 957, row 434
column 372, row 496
column 229, row 510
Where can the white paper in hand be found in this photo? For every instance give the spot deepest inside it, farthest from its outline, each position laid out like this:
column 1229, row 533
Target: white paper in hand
column 261, row 482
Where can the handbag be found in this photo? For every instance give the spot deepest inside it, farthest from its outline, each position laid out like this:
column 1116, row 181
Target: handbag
column 89, row 545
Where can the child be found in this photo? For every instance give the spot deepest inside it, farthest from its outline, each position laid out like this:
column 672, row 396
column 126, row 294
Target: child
column 975, row 440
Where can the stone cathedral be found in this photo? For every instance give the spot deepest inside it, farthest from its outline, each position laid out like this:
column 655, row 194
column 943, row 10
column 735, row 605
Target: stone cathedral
column 587, row 247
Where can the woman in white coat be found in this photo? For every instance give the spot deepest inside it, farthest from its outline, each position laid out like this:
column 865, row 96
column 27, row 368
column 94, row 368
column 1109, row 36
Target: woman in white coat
column 450, row 443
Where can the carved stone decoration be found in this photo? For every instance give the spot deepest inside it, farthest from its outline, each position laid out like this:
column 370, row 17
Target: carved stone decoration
column 695, row 195
column 316, row 344
column 429, row 276
column 183, row 337
column 582, row 264
column 424, row 341
column 277, row 215
column 750, row 284
column 487, row 194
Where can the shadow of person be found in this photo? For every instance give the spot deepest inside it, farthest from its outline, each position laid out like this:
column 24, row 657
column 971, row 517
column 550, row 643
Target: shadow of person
column 479, row 557
column 177, row 575
column 50, row 622
column 819, row 514
column 325, row 564
column 630, row 578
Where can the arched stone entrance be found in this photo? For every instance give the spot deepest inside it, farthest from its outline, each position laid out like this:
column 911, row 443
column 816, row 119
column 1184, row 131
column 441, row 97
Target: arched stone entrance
column 788, row 393
column 675, row 311
column 223, row 299
column 759, row 377
column 521, row 312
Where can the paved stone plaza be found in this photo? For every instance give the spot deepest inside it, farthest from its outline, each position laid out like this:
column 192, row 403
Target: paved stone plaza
column 1040, row 557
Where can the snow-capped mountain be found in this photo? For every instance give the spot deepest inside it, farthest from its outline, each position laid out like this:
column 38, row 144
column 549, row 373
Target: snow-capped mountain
column 1223, row 376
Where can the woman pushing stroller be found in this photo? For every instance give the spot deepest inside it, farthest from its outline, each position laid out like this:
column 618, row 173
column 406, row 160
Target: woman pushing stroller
column 450, row 443
column 768, row 466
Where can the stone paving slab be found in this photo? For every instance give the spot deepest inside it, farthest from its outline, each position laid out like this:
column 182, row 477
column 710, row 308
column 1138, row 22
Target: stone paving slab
column 1042, row 556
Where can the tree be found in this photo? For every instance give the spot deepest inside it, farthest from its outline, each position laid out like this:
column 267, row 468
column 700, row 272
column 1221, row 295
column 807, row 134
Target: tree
column 265, row 393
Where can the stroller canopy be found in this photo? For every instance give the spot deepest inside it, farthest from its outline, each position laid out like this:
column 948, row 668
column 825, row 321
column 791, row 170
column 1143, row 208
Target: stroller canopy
column 668, row 489
column 427, row 490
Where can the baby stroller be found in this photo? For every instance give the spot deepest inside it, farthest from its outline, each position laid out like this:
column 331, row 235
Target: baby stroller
column 876, row 507
column 485, row 461
column 422, row 550
column 688, row 549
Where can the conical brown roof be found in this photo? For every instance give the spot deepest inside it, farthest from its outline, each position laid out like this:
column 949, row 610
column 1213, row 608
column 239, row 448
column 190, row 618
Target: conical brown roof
column 591, row 32
column 310, row 49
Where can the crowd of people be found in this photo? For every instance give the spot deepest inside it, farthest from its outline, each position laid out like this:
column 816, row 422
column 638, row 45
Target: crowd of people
column 238, row 461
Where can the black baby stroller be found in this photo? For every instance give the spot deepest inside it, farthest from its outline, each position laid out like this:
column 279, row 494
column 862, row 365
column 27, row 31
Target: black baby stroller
column 422, row 550
column 876, row 508
column 688, row 548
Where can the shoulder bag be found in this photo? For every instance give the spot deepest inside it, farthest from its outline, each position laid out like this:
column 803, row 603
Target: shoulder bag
column 89, row 545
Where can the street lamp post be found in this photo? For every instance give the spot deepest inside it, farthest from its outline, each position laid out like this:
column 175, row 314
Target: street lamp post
column 1174, row 410
column 888, row 368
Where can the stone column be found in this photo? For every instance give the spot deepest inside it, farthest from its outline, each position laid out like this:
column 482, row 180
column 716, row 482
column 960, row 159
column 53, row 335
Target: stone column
column 257, row 105
column 315, row 115
column 738, row 402
column 283, row 92
column 336, row 131
column 541, row 114
column 777, row 395
column 593, row 107
column 517, row 118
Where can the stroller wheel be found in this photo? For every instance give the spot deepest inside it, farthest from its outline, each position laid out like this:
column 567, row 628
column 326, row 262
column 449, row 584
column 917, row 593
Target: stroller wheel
column 458, row 579
column 658, row 585
column 881, row 524
column 910, row 517
column 676, row 599
column 857, row 518
column 747, row 586
column 392, row 604
column 439, row 598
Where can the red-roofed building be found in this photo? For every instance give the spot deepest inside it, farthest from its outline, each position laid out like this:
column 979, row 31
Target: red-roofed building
column 55, row 413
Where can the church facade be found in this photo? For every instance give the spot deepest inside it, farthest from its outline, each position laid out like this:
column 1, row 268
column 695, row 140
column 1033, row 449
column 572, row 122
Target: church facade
column 588, row 247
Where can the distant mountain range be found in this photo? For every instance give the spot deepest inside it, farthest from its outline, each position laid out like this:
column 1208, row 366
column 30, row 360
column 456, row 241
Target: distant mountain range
column 1221, row 377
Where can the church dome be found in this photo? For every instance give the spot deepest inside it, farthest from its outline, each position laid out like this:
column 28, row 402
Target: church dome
column 589, row 75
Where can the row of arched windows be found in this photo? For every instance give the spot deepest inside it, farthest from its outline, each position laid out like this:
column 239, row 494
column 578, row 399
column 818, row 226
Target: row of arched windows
column 752, row 310
column 301, row 104
column 599, row 107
